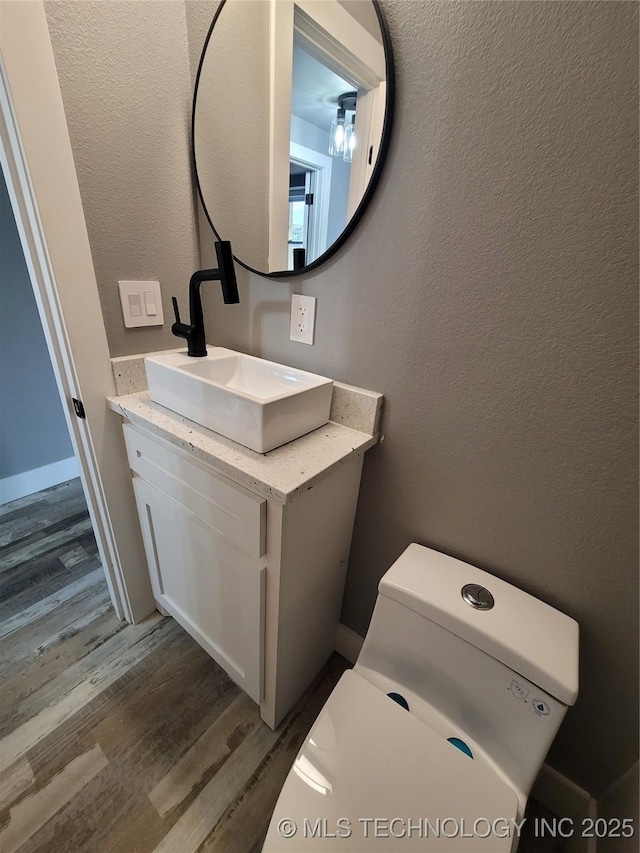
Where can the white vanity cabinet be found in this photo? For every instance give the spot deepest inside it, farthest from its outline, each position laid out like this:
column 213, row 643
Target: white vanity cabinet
column 204, row 541
column 256, row 581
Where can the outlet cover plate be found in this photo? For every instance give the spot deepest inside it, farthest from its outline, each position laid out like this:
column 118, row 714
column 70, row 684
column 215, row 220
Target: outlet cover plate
column 303, row 318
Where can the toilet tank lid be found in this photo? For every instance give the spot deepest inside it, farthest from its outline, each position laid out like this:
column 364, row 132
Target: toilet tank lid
column 522, row 632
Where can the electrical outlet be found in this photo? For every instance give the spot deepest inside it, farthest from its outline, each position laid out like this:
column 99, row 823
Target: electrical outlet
column 303, row 318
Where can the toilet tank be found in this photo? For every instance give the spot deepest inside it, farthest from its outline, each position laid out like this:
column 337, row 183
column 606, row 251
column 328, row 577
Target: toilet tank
column 498, row 678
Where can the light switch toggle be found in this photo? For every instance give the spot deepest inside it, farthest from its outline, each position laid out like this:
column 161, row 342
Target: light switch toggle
column 150, row 304
column 141, row 303
column 135, row 306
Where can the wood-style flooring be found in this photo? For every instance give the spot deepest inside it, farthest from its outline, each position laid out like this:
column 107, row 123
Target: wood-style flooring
column 116, row 737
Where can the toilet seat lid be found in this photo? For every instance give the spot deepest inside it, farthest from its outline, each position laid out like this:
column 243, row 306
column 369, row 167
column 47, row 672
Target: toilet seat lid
column 367, row 758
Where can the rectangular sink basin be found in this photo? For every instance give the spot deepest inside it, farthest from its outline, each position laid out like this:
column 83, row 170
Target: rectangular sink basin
column 257, row 403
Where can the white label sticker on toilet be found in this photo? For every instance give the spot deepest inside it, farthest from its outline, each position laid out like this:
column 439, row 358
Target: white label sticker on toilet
column 518, row 690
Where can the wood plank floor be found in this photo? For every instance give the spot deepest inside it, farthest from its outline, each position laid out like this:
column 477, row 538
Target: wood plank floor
column 116, row 737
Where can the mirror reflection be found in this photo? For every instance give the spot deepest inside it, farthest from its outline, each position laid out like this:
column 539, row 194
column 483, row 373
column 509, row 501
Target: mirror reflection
column 291, row 120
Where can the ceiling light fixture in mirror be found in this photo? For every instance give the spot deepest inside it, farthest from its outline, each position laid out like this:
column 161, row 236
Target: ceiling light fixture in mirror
column 292, row 114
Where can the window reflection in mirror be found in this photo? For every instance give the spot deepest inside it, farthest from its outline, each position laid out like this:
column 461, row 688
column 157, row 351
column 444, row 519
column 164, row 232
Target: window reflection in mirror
column 288, row 124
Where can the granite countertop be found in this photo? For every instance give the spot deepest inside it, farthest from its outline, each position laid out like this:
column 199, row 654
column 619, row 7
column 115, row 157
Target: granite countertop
column 279, row 474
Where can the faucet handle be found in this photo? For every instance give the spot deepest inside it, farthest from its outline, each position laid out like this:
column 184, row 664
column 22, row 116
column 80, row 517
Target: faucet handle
column 176, row 310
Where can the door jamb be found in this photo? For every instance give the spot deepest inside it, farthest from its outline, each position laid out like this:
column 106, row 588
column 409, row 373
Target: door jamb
column 20, row 191
column 71, row 317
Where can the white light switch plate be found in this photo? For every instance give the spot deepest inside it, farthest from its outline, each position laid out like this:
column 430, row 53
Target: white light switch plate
column 141, row 303
column 303, row 318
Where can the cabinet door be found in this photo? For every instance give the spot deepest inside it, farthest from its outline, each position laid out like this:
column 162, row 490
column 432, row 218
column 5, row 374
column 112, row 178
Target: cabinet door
column 211, row 587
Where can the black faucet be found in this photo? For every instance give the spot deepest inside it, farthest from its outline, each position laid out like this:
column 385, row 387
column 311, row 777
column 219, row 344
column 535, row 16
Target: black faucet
column 226, row 275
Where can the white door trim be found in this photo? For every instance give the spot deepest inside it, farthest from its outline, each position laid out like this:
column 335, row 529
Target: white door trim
column 336, row 39
column 37, row 162
column 321, row 164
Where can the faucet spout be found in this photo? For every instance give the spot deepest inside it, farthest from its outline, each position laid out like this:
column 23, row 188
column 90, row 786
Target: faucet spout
column 193, row 332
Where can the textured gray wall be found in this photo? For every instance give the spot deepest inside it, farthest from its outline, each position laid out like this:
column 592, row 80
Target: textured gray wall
column 491, row 294
column 126, row 86
column 199, row 15
column 33, row 431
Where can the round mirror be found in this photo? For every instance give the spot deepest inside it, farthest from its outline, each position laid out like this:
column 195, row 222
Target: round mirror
column 291, row 122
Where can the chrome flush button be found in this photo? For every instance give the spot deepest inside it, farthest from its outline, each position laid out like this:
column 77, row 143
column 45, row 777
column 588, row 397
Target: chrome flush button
column 477, row 596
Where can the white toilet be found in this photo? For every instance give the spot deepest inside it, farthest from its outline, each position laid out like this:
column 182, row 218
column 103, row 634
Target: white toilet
column 481, row 675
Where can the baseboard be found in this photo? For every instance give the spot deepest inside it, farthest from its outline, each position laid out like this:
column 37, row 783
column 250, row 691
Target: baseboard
column 566, row 799
column 348, row 643
column 560, row 795
column 28, row 482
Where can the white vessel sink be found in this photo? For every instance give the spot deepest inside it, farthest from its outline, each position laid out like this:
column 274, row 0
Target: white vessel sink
column 257, row 403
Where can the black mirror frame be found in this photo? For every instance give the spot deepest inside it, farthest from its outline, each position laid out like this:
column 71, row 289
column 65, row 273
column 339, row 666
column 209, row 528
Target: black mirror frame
column 377, row 169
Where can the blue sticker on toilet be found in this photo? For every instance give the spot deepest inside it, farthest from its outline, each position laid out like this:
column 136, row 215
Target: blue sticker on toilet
column 461, row 745
column 399, row 699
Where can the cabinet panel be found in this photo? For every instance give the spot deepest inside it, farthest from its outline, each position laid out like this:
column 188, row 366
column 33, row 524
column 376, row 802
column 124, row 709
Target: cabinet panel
column 236, row 513
column 213, row 589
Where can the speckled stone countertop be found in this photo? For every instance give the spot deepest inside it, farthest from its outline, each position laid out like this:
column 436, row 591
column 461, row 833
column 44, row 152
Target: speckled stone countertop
column 279, row 474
